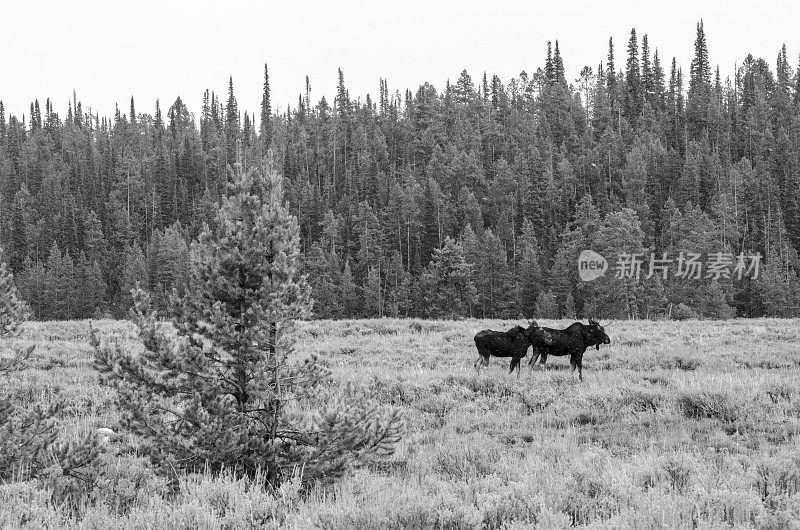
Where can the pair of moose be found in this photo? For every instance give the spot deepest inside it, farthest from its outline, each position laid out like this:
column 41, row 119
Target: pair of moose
column 515, row 342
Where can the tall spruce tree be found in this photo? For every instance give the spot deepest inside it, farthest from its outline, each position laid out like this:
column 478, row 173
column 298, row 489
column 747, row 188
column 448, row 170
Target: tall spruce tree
column 611, row 76
column 232, row 131
column 648, row 79
column 266, row 111
column 633, row 82
column 699, row 97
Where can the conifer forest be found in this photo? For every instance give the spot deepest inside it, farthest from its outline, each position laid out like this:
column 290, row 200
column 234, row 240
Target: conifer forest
column 471, row 199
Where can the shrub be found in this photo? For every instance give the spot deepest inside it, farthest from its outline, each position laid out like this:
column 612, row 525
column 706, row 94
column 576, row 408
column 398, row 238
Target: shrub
column 468, row 457
column 396, row 508
column 681, row 362
column 216, row 388
column 124, row 483
column 779, row 391
column 683, row 312
column 591, row 496
column 708, row 404
column 27, row 504
column 777, row 476
column 643, row 399
column 678, row 471
column 536, row 401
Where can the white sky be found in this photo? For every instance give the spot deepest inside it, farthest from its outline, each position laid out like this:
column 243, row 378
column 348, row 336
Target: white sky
column 109, row 50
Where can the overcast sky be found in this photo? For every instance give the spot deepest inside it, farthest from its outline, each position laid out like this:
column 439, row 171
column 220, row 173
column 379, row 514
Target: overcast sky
column 108, row 50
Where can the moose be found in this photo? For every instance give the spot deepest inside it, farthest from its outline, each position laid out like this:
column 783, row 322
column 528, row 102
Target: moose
column 513, row 343
column 571, row 341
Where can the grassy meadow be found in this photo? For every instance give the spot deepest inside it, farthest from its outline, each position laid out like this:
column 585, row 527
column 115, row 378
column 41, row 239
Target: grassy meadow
column 690, row 424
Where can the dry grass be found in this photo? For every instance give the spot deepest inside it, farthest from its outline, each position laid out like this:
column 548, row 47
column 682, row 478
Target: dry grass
column 691, row 424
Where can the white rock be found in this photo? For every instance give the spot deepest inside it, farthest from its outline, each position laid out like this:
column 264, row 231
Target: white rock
column 105, row 435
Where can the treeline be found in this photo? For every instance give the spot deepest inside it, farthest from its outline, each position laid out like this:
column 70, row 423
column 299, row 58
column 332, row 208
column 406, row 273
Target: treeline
column 471, row 200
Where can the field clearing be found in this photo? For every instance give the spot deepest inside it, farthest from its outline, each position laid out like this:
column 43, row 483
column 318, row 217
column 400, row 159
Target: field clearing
column 690, row 424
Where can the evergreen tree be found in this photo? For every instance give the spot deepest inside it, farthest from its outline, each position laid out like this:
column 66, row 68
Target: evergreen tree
column 546, row 306
column 699, row 85
column 322, row 270
column 569, row 307
column 231, row 367
column 558, row 66
column 170, row 261
column 374, row 298
column 648, row 77
column 90, row 288
column 796, row 95
column 94, row 242
column 652, row 299
column 13, row 310
column 529, row 271
column 549, row 66
column 633, row 83
column 134, row 270
column 619, row 296
column 659, row 89
column 56, row 285
column 635, row 182
column 447, row 282
column 2, row 123
column 232, row 131
column 349, row 293
column 266, row 110
column 493, row 279
column 778, row 288
column 19, row 233
column 611, row 77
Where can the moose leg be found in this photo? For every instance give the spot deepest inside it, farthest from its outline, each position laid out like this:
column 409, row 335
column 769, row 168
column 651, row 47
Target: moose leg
column 483, row 359
column 534, row 355
column 573, row 361
column 515, row 362
column 580, row 367
column 479, row 362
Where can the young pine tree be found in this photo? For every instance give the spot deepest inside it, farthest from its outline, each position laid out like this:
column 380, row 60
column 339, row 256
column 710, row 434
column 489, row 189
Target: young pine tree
column 29, row 445
column 222, row 389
